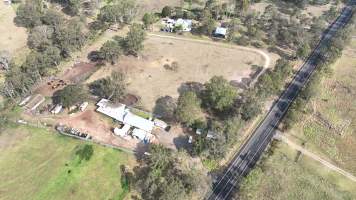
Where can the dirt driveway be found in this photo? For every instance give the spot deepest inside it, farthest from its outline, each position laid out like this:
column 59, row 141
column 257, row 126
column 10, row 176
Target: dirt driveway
column 98, row 126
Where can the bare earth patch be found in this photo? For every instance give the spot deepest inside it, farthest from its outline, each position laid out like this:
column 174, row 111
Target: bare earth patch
column 98, row 127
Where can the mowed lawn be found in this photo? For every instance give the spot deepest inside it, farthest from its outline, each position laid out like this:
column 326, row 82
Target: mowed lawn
column 280, row 176
column 38, row 164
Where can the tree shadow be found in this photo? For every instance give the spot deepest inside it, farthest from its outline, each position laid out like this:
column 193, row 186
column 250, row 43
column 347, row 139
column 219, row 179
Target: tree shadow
column 181, row 142
column 191, row 86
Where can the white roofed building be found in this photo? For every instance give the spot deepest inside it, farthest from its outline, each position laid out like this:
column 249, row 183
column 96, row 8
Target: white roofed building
column 123, row 114
column 115, row 111
column 220, row 32
column 186, row 24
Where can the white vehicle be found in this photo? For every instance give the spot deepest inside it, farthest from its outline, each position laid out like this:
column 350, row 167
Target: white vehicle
column 57, row 109
column 83, row 106
column 190, row 140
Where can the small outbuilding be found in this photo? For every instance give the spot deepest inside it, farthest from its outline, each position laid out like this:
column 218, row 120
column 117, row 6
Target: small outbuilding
column 123, row 131
column 83, row 106
column 220, row 32
column 57, row 109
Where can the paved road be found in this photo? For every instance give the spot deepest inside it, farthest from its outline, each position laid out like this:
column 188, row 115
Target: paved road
column 249, row 154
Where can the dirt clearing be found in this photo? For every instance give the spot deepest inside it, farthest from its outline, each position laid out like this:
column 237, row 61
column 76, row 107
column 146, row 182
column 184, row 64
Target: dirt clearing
column 166, row 63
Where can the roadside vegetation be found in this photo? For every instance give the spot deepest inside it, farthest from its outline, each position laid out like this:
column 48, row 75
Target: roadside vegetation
column 282, row 175
column 325, row 121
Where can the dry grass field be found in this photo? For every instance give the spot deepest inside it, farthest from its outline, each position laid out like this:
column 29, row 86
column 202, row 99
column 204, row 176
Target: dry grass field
column 12, row 38
column 335, row 105
column 280, row 176
column 149, row 79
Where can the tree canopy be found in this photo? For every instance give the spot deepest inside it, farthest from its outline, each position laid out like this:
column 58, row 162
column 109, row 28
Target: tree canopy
column 219, row 94
column 70, row 95
column 188, row 108
column 110, row 51
column 134, row 39
column 112, row 87
column 166, row 176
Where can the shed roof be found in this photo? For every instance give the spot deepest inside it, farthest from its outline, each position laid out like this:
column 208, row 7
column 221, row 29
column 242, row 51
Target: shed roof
column 120, row 113
column 220, row 31
column 138, row 122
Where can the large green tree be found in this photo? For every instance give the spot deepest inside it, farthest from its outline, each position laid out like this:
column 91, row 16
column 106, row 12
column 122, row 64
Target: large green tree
column 165, row 107
column 29, row 13
column 112, row 87
column 188, row 108
column 121, row 11
column 219, row 94
column 166, row 177
column 134, row 39
column 110, row 51
column 70, row 95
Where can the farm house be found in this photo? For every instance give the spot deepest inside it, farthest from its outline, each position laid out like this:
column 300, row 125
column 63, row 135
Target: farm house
column 142, row 127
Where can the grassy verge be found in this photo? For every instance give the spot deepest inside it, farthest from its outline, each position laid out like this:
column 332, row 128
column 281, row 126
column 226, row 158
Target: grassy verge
column 280, row 177
column 37, row 164
column 329, row 128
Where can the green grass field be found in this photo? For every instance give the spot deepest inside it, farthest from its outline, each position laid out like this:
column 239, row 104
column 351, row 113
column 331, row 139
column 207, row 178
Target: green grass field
column 38, row 164
column 280, row 177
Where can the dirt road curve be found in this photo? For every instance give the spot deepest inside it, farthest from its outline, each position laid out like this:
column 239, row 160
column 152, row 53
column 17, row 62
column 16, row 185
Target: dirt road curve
column 315, row 157
column 262, row 53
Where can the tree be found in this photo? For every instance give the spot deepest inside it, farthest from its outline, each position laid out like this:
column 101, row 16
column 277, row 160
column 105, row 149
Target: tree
column 148, row 19
column 16, row 82
column 167, row 11
column 219, row 94
column 165, row 107
column 5, row 59
column 110, row 51
column 188, row 108
column 29, row 13
column 40, row 37
column 37, row 64
column 241, row 6
column 134, row 39
column 303, row 50
column 112, row 88
column 73, row 7
column 52, row 18
column 250, row 108
column 166, row 176
column 232, row 127
column 122, row 11
column 208, row 23
column 70, row 95
column 70, row 37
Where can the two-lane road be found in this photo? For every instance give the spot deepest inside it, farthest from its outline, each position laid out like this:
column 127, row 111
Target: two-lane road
column 249, row 154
